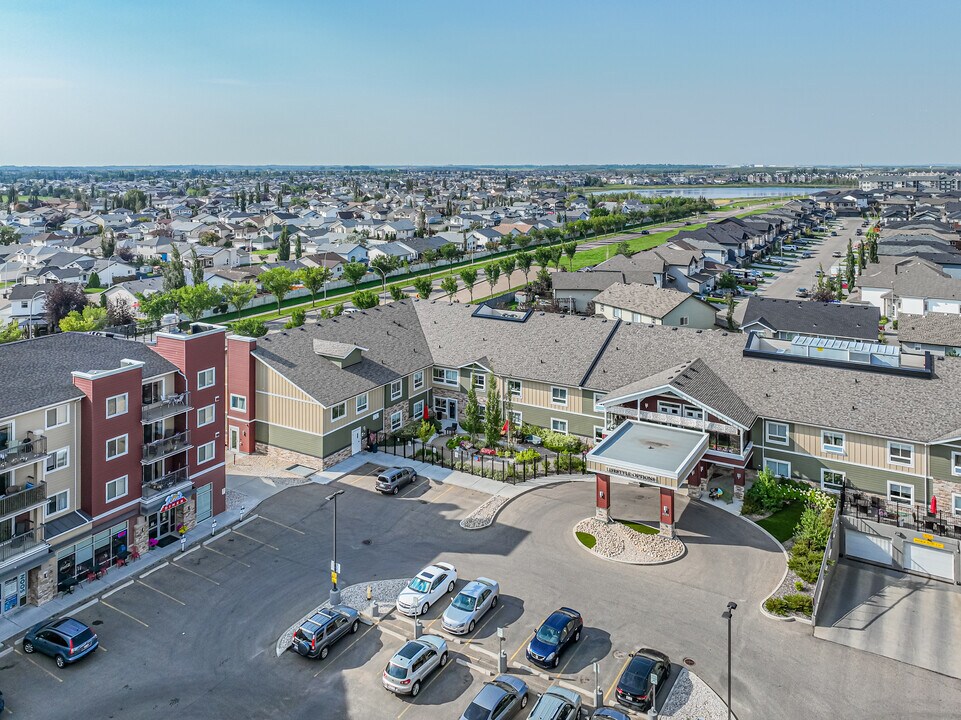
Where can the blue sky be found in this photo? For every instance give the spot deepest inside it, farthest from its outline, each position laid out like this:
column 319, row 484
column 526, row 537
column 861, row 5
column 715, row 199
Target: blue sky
column 211, row 82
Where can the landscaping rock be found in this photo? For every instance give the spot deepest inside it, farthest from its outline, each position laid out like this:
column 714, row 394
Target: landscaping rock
column 619, row 542
column 692, row 699
column 484, row 516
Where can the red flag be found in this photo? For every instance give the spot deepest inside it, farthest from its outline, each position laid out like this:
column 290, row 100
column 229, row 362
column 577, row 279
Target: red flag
column 507, row 424
column 934, row 505
column 426, row 411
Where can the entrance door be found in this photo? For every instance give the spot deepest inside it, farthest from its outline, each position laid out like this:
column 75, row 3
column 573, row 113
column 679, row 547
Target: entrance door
column 356, row 440
column 234, row 442
column 204, row 497
column 445, row 408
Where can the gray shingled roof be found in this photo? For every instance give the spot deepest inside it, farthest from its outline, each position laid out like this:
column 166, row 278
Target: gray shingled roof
column 37, row 372
column 646, row 299
column 597, row 280
column 859, row 322
column 932, row 329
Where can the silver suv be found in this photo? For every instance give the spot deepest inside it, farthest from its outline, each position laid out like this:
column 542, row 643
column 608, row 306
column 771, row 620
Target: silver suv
column 413, row 663
column 391, row 480
column 557, row 703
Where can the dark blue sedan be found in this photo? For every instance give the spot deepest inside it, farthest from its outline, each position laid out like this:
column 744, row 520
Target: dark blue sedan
column 65, row 640
column 561, row 629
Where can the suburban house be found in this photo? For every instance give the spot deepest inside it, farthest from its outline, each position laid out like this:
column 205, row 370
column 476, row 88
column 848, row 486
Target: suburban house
column 660, row 306
column 787, row 319
column 912, row 285
column 937, row 333
column 574, row 292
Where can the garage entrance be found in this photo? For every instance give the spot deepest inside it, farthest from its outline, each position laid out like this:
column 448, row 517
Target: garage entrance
column 929, row 561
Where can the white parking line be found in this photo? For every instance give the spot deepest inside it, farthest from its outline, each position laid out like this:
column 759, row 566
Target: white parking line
column 153, row 570
column 272, row 547
column 181, row 567
column 83, row 607
column 193, row 549
column 244, row 522
column 103, row 602
column 38, row 666
column 227, row 556
column 282, row 525
column 117, row 589
column 161, row 592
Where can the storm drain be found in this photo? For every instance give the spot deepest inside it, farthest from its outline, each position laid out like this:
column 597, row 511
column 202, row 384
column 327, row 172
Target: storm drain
column 689, row 662
column 301, row 470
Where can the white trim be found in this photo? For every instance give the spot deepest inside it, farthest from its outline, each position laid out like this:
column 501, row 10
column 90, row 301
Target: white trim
column 213, row 452
column 594, row 402
column 400, row 424
column 892, row 461
column 213, row 415
column 357, row 408
column 908, row 485
column 53, row 454
column 400, row 389
column 126, row 447
column 333, row 407
column 519, row 421
column 292, row 399
column 955, row 463
column 566, row 396
column 47, row 515
column 679, row 393
column 207, row 470
column 126, row 406
column 114, row 511
column 285, row 379
column 66, row 407
column 230, row 404
column 478, row 381
column 42, row 408
column 843, row 475
column 833, row 448
column 663, row 405
column 520, row 387
column 126, row 488
column 768, row 438
column 359, row 417
column 895, row 469
column 687, row 409
column 419, row 413
column 444, row 371
column 565, row 431
column 213, row 380
column 954, row 505
column 782, row 462
column 413, row 382
column 599, row 436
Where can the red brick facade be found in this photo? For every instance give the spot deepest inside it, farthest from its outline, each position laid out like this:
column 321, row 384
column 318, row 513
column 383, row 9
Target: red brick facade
column 241, row 381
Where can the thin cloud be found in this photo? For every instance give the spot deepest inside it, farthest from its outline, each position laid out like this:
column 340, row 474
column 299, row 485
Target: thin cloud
column 229, row 82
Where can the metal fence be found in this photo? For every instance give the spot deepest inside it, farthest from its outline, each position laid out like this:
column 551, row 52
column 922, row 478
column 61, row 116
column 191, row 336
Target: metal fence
column 915, row 517
column 475, row 462
column 830, row 559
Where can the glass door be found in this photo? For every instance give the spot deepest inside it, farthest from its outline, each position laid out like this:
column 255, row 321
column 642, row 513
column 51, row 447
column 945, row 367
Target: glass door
column 204, row 509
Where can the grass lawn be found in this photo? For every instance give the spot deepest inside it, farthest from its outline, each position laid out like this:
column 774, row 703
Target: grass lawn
column 639, row 527
column 782, row 523
column 92, row 291
column 585, row 258
column 586, row 539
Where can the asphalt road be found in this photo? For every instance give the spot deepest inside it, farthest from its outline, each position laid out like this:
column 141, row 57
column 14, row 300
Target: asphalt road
column 196, row 638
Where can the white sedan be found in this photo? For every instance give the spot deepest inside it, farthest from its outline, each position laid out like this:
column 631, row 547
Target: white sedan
column 426, row 588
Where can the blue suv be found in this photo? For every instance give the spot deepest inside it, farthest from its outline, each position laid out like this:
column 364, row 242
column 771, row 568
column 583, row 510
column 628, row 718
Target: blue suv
column 65, row 640
column 561, row 629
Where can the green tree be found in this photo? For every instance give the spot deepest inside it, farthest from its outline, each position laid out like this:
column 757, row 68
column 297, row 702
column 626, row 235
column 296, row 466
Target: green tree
column 862, row 257
column 94, row 280
column 730, row 312
column 11, row 332
column 238, row 295
column 424, row 287
column 209, row 237
column 107, row 243
column 195, row 300
column 283, row 245
column 396, row 291
column 556, row 255
column 727, row 282
column 196, row 267
column 298, row 251
column 430, row 257
column 8, row 235
column 173, row 271
column 314, row 278
column 472, row 420
column 277, row 282
column 623, row 249
column 92, row 318
column 449, row 286
column 508, row 265
column 297, row 318
column 493, row 421
column 542, row 255
column 468, row 276
column 570, row 249
column 156, row 305
column 492, row 273
column 354, row 272
column 365, row 299
column 250, row 327
column 135, row 200
column 450, row 252
column 524, row 262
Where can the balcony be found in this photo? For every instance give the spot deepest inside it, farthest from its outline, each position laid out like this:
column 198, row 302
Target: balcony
column 23, row 453
column 159, row 449
column 18, row 500
column 167, row 406
column 165, row 485
column 21, row 545
column 671, row 419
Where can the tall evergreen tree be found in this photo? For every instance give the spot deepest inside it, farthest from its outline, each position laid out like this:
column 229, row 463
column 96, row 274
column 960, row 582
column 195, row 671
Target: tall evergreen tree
column 283, row 245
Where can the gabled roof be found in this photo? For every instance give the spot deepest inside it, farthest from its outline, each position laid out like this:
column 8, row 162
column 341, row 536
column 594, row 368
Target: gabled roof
column 645, row 299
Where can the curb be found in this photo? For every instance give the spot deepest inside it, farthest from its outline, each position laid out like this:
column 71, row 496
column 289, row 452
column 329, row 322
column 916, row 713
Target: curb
column 628, row 562
column 522, row 491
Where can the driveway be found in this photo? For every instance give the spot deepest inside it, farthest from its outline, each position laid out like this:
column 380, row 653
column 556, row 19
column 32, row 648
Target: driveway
column 904, row 617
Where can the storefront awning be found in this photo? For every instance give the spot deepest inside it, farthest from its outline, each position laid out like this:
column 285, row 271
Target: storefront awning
column 649, row 453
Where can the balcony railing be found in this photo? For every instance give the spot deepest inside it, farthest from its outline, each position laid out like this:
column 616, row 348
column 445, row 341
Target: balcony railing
column 21, row 453
column 671, row 419
column 167, row 406
column 19, row 500
column 19, row 545
column 165, row 483
column 158, row 449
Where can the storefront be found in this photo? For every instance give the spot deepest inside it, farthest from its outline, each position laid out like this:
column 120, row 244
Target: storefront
column 166, row 523
column 93, row 555
column 13, row 593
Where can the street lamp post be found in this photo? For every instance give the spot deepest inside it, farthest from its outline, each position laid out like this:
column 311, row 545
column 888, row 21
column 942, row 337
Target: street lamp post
column 729, row 615
column 334, row 567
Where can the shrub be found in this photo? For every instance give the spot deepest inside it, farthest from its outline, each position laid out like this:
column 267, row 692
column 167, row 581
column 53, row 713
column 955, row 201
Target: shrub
column 526, row 456
column 250, row 327
column 454, row 442
column 795, row 602
column 799, row 585
column 297, row 318
column 559, row 442
column 805, row 560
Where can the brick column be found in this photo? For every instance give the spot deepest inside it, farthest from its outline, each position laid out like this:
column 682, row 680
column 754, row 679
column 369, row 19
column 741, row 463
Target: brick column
column 667, row 512
column 694, row 480
column 603, row 498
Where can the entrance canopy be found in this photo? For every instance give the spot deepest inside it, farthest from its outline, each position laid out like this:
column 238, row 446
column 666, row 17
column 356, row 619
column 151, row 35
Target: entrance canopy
column 649, row 453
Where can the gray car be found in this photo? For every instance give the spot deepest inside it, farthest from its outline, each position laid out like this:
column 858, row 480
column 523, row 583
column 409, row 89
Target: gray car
column 501, row 698
column 391, row 480
column 417, row 659
column 557, row 703
column 321, row 630
column 469, row 605
column 65, row 640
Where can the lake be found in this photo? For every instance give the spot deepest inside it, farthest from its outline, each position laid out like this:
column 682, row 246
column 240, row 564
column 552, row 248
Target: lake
column 716, row 192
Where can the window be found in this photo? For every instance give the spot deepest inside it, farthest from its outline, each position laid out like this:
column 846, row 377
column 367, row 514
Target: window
column 832, row 480
column 617, row 312
column 778, row 467
column 956, row 463
column 418, row 380
column 58, row 460
column 205, row 415
column 445, row 376
column 117, row 405
column 516, row 418
column 205, row 453
column 693, row 412
column 683, row 320
column 396, row 421
column 206, row 378
column 559, row 425
column 900, row 454
column 668, row 408
column 900, row 492
column 57, row 416
column 396, row 390
column 956, row 504
column 238, row 403
column 776, row 433
column 599, row 433
column 559, row 396
column 338, row 411
column 832, row 442
column 480, row 381
column 116, row 447
column 515, row 388
column 361, row 403
column 58, row 503
column 116, row 488
column 597, row 398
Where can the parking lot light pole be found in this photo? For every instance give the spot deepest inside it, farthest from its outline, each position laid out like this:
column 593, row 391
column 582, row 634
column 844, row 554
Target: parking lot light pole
column 334, row 568
column 729, row 615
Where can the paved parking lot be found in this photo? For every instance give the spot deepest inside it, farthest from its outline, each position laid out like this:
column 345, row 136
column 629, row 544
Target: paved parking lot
column 196, row 637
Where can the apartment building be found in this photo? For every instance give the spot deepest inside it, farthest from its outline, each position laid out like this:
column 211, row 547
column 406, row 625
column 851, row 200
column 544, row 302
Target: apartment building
column 108, row 448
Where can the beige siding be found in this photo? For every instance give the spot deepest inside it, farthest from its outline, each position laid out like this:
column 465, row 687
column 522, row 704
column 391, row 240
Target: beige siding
column 858, row 449
column 539, row 395
column 280, row 402
column 375, row 403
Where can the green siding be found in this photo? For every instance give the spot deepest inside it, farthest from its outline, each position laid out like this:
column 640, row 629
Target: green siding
column 699, row 314
column 940, row 464
column 868, row 479
column 295, row 440
column 340, row 438
column 403, row 393
column 582, row 425
column 758, row 437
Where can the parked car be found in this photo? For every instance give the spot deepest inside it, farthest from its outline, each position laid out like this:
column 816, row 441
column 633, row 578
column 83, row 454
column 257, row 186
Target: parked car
column 858, row 232
column 818, row 272
column 836, row 254
column 645, row 232
column 561, row 629
column 413, row 663
column 607, row 713
column 65, row 640
column 321, row 630
column 426, row 588
column 501, row 698
column 469, row 605
column 807, row 255
column 801, row 292
column 634, row 686
column 834, row 233
column 557, row 703
column 391, row 480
